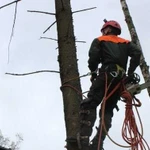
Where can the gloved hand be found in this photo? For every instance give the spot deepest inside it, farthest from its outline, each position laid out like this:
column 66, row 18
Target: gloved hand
column 133, row 78
column 93, row 76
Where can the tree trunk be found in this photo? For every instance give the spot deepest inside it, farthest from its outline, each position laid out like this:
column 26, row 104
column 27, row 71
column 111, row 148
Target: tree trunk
column 71, row 88
column 143, row 65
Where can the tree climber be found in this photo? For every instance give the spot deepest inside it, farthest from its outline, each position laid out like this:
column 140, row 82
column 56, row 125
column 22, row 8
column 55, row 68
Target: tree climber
column 112, row 52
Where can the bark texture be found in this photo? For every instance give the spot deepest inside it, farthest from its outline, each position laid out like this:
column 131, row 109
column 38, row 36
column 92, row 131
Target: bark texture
column 143, row 65
column 68, row 69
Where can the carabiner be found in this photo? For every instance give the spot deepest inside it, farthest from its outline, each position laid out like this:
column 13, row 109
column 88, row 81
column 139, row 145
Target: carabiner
column 114, row 74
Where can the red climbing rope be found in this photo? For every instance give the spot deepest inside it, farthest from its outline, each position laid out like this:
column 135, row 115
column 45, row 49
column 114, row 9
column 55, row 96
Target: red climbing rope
column 105, row 98
column 130, row 131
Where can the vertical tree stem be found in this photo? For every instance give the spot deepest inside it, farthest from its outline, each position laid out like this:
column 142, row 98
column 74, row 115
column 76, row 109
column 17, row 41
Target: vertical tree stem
column 143, row 65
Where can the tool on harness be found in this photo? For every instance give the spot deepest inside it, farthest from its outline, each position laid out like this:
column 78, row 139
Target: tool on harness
column 137, row 88
column 114, row 74
column 133, row 86
column 93, row 76
column 132, row 79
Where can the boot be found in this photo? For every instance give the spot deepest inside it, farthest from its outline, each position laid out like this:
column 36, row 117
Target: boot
column 95, row 141
column 85, row 144
column 87, row 120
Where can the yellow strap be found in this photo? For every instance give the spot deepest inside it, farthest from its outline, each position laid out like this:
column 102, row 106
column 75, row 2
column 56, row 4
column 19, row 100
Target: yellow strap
column 120, row 69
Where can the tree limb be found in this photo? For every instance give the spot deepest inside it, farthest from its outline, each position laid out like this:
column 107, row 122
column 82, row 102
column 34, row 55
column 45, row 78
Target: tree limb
column 9, row 4
column 57, row 40
column 49, row 27
column 42, row 12
column 84, row 10
column 12, row 32
column 81, row 41
column 48, row 38
column 30, row 73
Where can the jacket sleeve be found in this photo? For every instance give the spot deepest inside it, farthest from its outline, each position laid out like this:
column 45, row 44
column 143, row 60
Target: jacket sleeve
column 135, row 54
column 94, row 55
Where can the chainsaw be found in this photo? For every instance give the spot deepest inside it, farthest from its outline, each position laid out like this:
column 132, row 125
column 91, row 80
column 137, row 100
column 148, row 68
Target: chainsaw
column 137, row 88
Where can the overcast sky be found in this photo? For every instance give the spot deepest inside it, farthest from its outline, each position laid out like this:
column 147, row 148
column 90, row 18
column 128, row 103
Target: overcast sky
column 32, row 105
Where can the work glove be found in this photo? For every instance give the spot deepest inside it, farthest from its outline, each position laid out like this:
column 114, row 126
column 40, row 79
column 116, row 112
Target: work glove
column 93, row 76
column 133, row 78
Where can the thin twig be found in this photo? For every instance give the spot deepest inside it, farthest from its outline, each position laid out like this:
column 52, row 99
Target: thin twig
column 42, row 12
column 9, row 4
column 57, row 40
column 85, row 92
column 12, row 32
column 84, row 10
column 49, row 27
column 48, row 38
column 30, row 73
column 81, row 41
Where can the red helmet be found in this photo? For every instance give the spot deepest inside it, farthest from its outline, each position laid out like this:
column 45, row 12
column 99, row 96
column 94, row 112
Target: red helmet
column 113, row 24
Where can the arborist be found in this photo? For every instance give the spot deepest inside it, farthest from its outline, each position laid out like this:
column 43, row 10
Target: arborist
column 112, row 52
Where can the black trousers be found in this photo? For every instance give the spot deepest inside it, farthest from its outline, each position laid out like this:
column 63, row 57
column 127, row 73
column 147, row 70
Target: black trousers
column 95, row 97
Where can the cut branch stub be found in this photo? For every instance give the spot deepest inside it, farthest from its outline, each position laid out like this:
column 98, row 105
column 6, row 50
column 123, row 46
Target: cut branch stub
column 41, row 12
column 48, row 38
column 84, row 10
column 49, row 27
column 57, row 40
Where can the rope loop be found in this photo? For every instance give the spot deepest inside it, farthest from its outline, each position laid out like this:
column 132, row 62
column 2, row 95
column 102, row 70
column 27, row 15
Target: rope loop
column 130, row 131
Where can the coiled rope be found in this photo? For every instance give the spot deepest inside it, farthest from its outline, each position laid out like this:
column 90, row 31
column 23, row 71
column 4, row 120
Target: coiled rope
column 130, row 131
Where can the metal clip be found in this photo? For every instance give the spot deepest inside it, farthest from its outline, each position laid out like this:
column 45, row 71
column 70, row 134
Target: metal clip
column 114, row 74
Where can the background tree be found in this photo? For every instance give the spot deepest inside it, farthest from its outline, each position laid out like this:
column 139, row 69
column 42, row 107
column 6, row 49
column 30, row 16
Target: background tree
column 7, row 144
column 134, row 36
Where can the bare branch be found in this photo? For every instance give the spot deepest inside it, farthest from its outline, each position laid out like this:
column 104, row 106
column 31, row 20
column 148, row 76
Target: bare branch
column 81, row 41
column 85, row 92
column 12, row 32
column 30, row 73
column 57, row 40
column 9, row 4
column 48, row 38
column 42, row 12
column 49, row 27
column 84, row 10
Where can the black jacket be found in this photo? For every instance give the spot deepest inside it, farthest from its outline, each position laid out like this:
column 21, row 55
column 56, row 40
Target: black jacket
column 112, row 49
